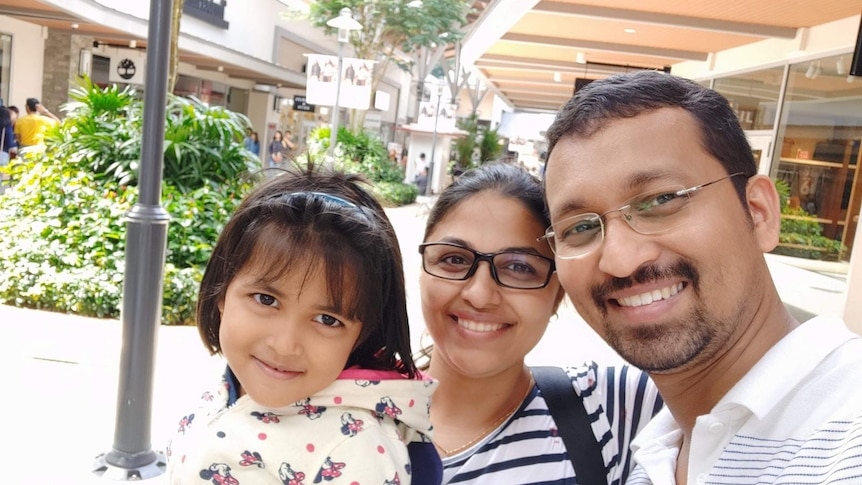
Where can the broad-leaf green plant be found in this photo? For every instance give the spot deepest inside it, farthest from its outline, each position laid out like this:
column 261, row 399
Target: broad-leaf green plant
column 62, row 222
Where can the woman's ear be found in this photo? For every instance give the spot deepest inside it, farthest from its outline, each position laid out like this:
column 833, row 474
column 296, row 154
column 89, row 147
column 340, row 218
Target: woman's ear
column 764, row 206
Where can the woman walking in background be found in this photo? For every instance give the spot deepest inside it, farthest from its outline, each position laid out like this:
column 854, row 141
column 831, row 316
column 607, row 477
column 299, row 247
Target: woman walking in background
column 275, row 153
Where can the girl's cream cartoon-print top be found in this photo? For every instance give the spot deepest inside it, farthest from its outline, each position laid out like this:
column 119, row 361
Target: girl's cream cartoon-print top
column 356, row 430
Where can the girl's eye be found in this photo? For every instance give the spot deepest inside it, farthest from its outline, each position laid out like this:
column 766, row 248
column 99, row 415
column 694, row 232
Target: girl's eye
column 328, row 320
column 266, row 300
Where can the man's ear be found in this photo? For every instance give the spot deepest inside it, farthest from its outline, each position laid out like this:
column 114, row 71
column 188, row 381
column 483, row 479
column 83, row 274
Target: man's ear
column 764, row 206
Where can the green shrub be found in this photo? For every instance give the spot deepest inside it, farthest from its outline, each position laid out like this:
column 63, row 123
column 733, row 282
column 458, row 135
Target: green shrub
column 102, row 134
column 62, row 223
column 197, row 219
column 364, row 154
column 63, row 240
column 801, row 234
column 395, row 193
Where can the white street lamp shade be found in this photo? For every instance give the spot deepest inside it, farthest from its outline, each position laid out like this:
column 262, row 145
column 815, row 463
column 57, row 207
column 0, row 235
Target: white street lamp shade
column 344, row 21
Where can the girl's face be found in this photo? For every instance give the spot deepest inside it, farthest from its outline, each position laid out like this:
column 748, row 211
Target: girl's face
column 277, row 136
column 282, row 339
column 479, row 328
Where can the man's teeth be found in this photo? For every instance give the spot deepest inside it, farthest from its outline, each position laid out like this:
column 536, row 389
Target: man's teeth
column 650, row 296
column 480, row 327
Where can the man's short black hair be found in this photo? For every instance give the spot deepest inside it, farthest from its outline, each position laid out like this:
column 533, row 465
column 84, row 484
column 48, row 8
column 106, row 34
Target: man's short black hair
column 31, row 104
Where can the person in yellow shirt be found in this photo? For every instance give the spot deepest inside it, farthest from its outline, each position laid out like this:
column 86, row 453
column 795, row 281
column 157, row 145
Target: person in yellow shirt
column 30, row 128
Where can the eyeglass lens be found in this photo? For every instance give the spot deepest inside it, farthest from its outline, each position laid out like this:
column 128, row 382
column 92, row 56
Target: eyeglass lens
column 516, row 270
column 649, row 213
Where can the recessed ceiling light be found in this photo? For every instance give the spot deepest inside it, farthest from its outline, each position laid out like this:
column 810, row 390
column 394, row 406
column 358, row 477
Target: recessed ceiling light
column 629, row 31
column 75, row 26
column 557, row 76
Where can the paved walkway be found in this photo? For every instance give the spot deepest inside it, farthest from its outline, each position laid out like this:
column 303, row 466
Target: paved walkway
column 63, row 369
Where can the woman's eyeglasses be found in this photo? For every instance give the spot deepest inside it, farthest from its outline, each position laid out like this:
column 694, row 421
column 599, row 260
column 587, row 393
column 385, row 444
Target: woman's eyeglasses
column 511, row 269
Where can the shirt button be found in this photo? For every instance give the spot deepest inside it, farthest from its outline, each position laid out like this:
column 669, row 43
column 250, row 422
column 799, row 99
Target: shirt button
column 716, row 428
column 701, row 479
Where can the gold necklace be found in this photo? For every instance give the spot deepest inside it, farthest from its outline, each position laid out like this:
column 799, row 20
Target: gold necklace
column 493, row 426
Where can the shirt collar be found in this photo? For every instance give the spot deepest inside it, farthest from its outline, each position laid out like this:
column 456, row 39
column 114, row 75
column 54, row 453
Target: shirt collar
column 774, row 375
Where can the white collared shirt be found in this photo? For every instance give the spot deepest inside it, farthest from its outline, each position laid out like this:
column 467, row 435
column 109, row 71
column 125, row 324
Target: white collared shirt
column 795, row 417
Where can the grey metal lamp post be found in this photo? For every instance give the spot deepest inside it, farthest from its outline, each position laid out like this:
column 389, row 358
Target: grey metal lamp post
column 132, row 456
column 344, row 23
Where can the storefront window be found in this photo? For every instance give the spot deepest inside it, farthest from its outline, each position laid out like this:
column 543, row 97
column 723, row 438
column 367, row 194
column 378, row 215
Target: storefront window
column 209, row 92
column 187, row 86
column 753, row 96
column 817, row 155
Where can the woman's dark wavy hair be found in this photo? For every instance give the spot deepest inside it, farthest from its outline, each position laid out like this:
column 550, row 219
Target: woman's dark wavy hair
column 312, row 219
column 506, row 179
column 632, row 94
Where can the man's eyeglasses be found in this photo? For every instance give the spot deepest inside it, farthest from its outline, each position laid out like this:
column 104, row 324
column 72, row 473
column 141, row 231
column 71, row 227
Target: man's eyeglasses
column 648, row 213
column 511, row 269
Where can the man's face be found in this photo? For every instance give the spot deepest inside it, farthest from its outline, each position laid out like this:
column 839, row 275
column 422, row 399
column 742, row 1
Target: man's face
column 664, row 301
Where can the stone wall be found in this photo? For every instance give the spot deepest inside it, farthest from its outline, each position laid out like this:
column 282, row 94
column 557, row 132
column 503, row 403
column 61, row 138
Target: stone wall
column 60, row 71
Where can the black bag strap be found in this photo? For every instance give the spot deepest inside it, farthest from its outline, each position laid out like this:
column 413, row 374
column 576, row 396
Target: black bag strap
column 573, row 424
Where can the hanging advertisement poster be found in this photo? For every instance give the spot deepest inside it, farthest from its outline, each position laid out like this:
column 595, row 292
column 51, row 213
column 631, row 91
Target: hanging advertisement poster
column 429, row 115
column 322, row 81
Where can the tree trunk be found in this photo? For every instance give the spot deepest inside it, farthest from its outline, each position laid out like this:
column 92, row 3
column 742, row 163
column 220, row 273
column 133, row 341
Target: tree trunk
column 174, row 58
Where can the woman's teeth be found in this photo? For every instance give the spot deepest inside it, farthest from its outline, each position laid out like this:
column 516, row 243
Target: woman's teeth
column 480, row 327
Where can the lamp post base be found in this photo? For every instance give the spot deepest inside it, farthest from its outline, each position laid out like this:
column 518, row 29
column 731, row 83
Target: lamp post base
column 152, row 468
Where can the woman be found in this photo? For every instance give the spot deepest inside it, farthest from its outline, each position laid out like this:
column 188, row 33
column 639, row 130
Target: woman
column 252, row 143
column 8, row 145
column 7, row 135
column 491, row 423
column 275, row 153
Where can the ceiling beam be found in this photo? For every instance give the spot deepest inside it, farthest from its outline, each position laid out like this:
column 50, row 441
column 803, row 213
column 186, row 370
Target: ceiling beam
column 669, row 20
column 572, row 68
column 606, row 46
column 33, row 13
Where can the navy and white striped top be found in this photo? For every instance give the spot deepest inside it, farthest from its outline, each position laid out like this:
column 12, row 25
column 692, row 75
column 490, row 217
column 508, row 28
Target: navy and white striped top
column 794, row 418
column 527, row 449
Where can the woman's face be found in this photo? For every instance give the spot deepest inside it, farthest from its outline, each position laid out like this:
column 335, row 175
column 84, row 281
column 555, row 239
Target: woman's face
column 479, row 328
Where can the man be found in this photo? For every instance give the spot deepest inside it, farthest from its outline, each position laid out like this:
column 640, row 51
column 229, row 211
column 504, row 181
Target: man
column 660, row 222
column 288, row 143
column 30, row 129
column 421, row 163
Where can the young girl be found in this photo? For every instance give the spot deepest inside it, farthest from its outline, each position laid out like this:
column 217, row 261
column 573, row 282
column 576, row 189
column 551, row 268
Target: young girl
column 304, row 297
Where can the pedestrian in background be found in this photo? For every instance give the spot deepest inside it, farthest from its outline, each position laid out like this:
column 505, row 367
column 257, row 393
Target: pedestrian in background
column 275, row 152
column 30, row 129
column 289, row 146
column 252, row 143
column 8, row 145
